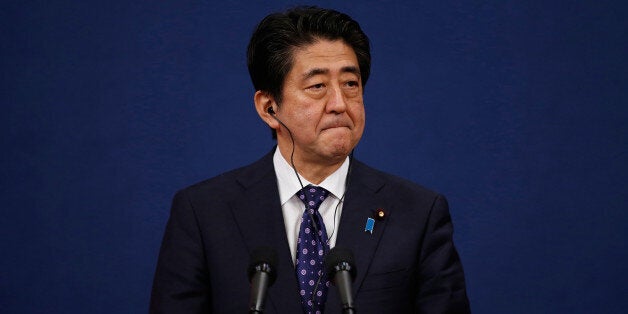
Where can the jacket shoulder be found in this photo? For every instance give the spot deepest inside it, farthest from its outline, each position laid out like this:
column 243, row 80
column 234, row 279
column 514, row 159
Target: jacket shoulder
column 233, row 181
column 380, row 180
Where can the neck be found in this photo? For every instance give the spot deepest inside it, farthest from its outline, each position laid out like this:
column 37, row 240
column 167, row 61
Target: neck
column 315, row 171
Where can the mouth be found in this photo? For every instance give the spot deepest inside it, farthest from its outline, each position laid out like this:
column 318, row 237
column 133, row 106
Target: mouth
column 332, row 128
column 337, row 125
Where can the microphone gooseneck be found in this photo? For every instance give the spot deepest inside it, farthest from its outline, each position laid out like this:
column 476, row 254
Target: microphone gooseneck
column 340, row 268
column 262, row 273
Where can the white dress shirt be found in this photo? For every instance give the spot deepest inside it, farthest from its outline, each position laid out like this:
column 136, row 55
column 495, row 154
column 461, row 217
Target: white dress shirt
column 292, row 207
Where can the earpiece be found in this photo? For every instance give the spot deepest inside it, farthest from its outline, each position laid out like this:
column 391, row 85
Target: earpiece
column 271, row 110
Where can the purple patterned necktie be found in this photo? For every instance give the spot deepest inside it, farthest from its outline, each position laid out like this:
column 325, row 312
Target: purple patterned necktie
column 311, row 248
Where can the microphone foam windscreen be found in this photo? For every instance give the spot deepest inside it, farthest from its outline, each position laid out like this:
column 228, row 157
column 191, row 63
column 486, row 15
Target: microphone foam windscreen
column 266, row 257
column 339, row 258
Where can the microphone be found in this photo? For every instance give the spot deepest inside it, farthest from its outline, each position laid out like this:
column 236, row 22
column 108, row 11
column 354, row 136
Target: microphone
column 262, row 274
column 340, row 268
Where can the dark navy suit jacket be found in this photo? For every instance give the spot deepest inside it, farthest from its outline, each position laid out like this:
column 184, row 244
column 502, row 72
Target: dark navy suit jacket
column 407, row 265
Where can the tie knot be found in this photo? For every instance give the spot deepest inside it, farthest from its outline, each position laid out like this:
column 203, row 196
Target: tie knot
column 312, row 196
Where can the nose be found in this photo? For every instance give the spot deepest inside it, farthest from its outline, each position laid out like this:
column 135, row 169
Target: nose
column 336, row 102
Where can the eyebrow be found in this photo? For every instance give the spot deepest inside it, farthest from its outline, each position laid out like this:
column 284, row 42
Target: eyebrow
column 317, row 71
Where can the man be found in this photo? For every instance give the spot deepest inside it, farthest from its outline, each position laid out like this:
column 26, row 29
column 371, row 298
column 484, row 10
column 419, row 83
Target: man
column 309, row 67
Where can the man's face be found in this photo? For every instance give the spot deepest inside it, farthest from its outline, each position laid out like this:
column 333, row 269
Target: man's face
column 322, row 103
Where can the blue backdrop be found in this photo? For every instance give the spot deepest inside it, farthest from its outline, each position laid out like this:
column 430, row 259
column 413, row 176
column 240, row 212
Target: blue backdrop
column 515, row 110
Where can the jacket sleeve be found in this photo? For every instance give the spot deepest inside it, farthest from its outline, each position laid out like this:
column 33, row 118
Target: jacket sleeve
column 441, row 278
column 181, row 282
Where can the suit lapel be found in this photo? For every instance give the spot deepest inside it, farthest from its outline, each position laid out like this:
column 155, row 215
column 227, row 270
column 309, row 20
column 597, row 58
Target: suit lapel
column 260, row 220
column 361, row 202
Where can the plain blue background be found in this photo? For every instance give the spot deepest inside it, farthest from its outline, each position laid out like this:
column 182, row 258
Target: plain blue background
column 515, row 110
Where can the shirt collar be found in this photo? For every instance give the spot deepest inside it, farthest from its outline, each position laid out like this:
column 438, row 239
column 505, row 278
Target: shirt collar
column 289, row 185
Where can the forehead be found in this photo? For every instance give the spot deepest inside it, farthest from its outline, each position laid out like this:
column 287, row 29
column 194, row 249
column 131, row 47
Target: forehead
column 324, row 56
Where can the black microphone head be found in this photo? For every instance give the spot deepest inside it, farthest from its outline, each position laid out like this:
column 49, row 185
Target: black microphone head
column 339, row 259
column 263, row 259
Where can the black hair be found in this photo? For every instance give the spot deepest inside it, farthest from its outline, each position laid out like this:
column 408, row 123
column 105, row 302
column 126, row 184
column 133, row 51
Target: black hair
column 278, row 35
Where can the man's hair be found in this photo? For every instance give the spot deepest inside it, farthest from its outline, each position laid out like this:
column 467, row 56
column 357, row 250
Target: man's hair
column 278, row 35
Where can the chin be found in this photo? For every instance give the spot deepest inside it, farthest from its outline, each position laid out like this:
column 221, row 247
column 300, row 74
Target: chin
column 339, row 151
column 339, row 146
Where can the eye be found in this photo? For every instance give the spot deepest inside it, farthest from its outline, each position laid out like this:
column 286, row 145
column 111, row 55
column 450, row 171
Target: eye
column 353, row 83
column 317, row 86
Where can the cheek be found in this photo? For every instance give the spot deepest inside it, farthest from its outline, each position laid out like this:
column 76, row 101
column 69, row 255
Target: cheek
column 358, row 132
column 307, row 121
column 358, row 115
column 360, row 121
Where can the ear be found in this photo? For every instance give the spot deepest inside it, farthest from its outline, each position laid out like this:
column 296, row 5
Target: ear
column 263, row 101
